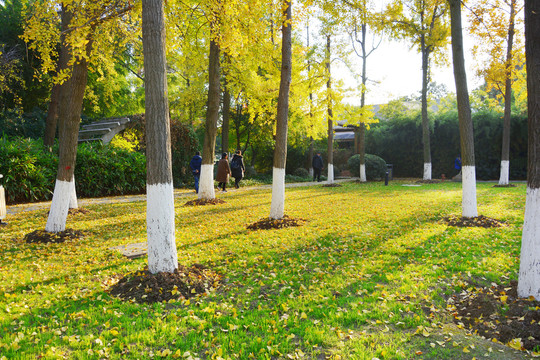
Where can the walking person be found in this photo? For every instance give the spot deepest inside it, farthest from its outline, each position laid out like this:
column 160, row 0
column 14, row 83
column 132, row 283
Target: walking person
column 317, row 165
column 237, row 168
column 195, row 165
column 223, row 172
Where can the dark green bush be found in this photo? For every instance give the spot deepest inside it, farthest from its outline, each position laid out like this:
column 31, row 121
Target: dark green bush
column 105, row 170
column 30, row 170
column 28, row 125
column 301, row 172
column 375, row 166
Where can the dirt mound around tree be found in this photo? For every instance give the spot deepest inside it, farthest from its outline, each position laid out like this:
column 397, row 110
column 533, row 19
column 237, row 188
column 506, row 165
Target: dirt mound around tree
column 479, row 221
column 202, row 202
column 44, row 237
column 185, row 282
column 267, row 223
column 496, row 312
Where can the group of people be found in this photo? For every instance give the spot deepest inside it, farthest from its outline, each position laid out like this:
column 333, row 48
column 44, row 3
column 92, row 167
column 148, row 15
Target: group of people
column 236, row 169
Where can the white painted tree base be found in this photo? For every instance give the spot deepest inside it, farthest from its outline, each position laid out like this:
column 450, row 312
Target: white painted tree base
column 468, row 200
column 206, row 183
column 3, row 210
column 73, row 203
column 277, row 207
column 427, row 171
column 162, row 255
column 529, row 267
column 363, row 173
column 330, row 178
column 310, row 172
column 504, row 178
column 56, row 222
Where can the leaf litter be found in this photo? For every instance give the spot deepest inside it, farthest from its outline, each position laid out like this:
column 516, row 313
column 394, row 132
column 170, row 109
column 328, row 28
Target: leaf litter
column 144, row 287
column 268, row 223
column 495, row 312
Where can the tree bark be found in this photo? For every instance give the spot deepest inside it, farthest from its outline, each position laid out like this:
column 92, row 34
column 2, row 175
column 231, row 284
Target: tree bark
column 52, row 117
column 69, row 114
column 277, row 207
column 425, row 120
column 505, row 152
column 56, row 92
column 330, row 113
column 469, row 208
column 529, row 269
column 206, row 186
column 162, row 255
column 362, row 132
column 226, row 120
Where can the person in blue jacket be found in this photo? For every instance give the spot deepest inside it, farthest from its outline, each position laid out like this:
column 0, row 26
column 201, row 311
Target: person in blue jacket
column 195, row 165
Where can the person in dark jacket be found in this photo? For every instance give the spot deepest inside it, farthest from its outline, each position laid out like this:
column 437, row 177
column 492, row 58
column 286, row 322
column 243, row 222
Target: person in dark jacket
column 223, row 172
column 195, row 165
column 317, row 165
column 237, row 168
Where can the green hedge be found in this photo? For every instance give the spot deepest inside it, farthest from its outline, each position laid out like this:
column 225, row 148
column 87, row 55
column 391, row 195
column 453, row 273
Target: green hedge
column 399, row 142
column 30, row 169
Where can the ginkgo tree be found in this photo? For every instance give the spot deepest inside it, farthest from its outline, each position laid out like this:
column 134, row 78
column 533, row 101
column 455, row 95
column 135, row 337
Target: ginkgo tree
column 277, row 206
column 529, row 267
column 499, row 22
column 425, row 24
column 361, row 18
column 162, row 255
column 469, row 205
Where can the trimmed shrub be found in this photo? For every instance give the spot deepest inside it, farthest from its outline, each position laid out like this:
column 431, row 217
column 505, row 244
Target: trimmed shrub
column 375, row 166
column 301, row 172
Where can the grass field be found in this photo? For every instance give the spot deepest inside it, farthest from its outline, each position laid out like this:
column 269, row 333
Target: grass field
column 367, row 276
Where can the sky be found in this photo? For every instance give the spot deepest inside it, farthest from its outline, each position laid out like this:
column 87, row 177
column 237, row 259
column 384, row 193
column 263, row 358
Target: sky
column 397, row 71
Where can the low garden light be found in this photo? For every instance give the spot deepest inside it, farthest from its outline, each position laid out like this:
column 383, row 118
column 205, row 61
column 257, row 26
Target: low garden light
column 3, row 211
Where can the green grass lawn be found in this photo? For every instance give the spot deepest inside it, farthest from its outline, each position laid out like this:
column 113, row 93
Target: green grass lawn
column 365, row 277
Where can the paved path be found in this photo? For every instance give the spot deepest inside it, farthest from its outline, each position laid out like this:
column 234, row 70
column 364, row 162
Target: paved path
column 178, row 193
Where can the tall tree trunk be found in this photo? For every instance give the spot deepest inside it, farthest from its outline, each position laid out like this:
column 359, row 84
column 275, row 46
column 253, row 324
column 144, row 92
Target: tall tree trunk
column 277, row 207
column 206, row 185
column 310, row 153
column 52, row 117
column 469, row 208
column 425, row 119
column 362, row 132
column 529, row 268
column 226, row 120
column 69, row 114
column 505, row 153
column 330, row 115
column 56, row 92
column 162, row 255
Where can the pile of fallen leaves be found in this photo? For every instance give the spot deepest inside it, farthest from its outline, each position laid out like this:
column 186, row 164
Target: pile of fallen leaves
column 199, row 202
column 496, row 313
column 479, row 221
column 332, row 185
column 42, row 236
column 267, row 223
column 185, row 282
column 504, row 186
